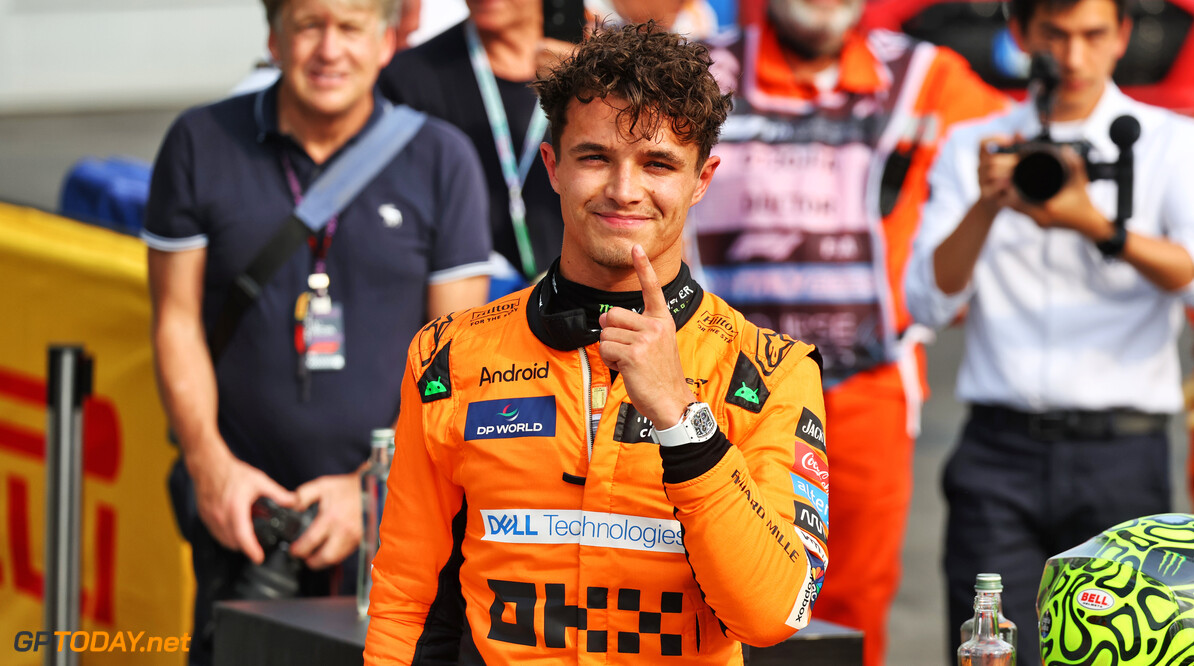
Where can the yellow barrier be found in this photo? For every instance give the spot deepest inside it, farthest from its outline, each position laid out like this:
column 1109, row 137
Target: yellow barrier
column 66, row 282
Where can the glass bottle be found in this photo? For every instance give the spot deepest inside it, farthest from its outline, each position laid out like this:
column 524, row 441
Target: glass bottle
column 373, row 500
column 991, row 584
column 985, row 648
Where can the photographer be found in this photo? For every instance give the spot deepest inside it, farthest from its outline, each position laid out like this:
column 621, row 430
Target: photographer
column 1071, row 365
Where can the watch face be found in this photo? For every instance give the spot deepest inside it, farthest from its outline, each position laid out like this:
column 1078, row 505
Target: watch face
column 703, row 423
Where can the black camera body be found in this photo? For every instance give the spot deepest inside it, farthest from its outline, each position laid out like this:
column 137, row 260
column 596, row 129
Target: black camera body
column 1041, row 171
column 276, row 528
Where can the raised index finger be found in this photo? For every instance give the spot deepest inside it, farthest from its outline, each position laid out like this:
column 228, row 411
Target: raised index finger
column 654, row 302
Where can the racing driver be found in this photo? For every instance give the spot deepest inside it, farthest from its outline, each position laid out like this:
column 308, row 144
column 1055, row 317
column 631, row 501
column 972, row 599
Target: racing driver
column 612, row 465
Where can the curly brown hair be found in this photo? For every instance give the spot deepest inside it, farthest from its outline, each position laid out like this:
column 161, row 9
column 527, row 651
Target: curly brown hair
column 662, row 78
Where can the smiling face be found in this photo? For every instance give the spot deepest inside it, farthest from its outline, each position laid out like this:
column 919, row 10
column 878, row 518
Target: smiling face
column 617, row 190
column 1087, row 39
column 330, row 52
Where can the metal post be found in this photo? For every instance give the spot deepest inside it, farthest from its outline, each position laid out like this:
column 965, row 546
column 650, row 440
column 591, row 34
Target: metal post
column 69, row 382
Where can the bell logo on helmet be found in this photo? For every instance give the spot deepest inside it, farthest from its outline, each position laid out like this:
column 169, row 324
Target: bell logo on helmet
column 1095, row 599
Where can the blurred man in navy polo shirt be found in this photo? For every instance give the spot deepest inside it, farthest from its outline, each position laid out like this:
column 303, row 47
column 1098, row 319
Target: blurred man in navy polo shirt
column 279, row 413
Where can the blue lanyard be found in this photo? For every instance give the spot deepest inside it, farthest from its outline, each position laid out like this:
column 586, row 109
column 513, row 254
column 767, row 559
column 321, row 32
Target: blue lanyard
column 514, row 173
column 319, row 248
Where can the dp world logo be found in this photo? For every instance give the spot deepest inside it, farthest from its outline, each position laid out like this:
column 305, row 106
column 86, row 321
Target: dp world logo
column 512, row 417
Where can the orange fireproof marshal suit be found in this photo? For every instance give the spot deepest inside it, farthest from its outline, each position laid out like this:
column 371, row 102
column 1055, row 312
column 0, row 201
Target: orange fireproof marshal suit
column 807, row 229
column 570, row 547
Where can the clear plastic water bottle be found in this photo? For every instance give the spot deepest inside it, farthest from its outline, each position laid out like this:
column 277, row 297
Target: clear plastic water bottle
column 373, row 500
column 991, row 585
column 985, row 647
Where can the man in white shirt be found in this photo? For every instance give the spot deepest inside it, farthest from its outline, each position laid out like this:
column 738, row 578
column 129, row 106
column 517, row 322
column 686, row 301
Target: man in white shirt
column 1071, row 363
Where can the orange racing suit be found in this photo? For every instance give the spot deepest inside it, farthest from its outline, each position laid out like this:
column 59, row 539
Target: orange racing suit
column 526, row 483
column 807, row 229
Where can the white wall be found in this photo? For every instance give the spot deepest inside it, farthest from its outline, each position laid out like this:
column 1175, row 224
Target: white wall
column 89, row 54
column 101, row 54
column 436, row 16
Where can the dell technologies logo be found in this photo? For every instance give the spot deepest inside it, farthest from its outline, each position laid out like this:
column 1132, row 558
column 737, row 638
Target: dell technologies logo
column 589, row 528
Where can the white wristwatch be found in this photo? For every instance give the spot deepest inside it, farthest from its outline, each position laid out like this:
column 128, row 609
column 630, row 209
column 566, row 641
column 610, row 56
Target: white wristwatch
column 696, row 425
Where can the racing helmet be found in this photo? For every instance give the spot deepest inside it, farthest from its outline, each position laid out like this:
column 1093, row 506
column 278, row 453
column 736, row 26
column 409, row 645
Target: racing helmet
column 1125, row 596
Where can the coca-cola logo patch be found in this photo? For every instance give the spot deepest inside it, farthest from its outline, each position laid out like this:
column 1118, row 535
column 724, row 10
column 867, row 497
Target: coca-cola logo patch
column 810, row 464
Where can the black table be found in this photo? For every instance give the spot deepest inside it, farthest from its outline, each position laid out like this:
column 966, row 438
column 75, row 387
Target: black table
column 328, row 632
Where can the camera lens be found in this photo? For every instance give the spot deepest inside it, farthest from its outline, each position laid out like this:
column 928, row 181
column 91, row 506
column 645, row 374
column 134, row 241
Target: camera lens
column 275, row 578
column 1038, row 176
column 276, row 528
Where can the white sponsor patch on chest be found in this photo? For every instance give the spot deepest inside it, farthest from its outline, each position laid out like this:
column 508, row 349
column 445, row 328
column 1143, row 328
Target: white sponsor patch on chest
column 588, row 528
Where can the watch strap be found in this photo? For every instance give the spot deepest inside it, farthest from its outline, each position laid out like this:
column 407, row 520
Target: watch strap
column 684, row 432
column 676, row 435
column 1114, row 247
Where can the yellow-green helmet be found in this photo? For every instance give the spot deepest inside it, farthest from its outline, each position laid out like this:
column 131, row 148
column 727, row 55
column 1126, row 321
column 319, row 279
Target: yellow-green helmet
column 1125, row 596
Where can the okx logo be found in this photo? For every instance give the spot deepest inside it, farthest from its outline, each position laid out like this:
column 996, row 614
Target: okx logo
column 512, row 417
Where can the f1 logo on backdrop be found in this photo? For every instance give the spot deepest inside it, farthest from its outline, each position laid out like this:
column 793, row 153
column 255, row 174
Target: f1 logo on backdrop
column 511, row 417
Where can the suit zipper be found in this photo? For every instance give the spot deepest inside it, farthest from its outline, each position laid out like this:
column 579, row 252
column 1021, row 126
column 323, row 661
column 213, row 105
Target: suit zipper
column 586, row 373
